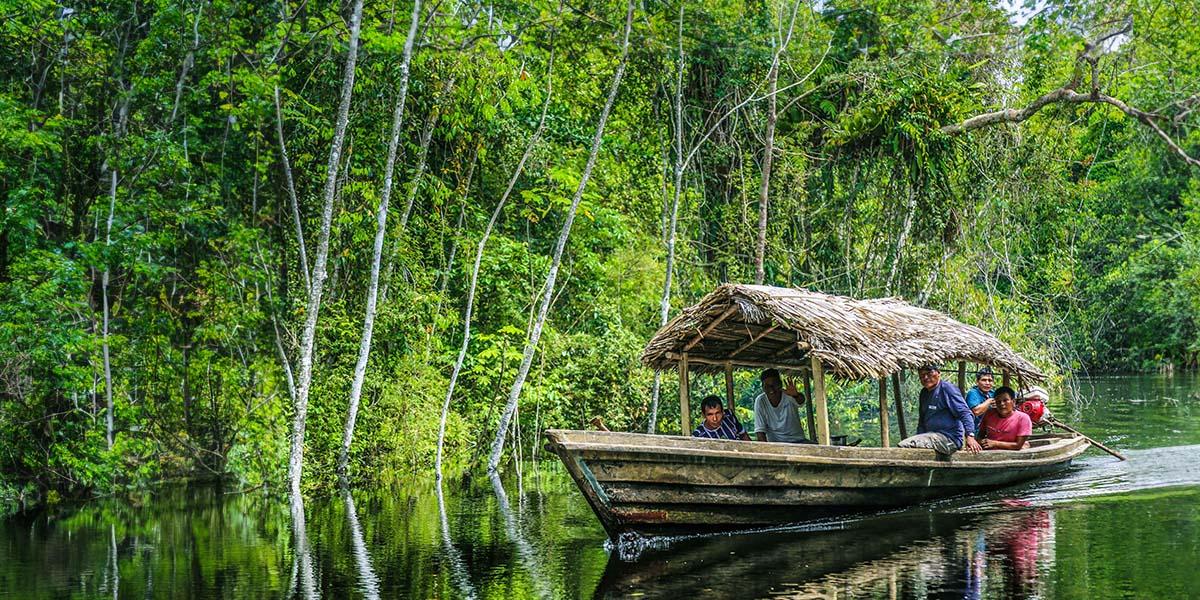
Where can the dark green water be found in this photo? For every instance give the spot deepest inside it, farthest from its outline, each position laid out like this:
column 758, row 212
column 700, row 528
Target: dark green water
column 1105, row 529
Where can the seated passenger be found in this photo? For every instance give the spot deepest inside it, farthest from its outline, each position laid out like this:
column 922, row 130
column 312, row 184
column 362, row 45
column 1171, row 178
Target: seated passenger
column 775, row 416
column 719, row 424
column 1005, row 428
column 979, row 397
column 944, row 422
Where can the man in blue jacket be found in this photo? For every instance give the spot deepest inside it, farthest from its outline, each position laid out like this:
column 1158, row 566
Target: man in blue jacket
column 946, row 424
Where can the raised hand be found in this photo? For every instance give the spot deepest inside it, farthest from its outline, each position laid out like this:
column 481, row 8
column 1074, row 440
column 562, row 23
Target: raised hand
column 791, row 389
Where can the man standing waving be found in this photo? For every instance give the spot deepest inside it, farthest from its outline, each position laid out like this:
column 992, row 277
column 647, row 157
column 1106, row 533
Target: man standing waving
column 946, row 424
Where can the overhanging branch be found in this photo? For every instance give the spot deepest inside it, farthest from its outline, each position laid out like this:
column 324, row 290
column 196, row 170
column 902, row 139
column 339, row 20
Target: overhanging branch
column 1068, row 96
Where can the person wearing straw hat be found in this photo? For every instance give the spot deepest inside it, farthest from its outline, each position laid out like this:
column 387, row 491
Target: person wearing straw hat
column 945, row 424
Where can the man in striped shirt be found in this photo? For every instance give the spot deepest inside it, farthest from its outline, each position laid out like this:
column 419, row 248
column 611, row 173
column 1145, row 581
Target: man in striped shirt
column 719, row 424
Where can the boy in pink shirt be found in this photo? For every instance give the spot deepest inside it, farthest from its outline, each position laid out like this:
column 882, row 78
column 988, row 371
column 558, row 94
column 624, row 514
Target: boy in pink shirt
column 1004, row 427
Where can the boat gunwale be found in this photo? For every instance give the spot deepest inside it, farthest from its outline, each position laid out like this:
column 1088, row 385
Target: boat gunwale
column 1066, row 448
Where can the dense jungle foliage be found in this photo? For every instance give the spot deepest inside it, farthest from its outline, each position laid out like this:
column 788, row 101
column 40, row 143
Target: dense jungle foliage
column 146, row 221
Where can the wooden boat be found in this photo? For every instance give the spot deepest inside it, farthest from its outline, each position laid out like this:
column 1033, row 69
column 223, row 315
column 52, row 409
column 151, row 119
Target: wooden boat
column 658, row 484
column 665, row 483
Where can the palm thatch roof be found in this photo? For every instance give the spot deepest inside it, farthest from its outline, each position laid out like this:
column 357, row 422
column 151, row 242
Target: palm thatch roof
column 759, row 326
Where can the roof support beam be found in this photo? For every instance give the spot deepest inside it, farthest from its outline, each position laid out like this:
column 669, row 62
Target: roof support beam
column 753, row 340
column 711, row 326
column 818, row 371
column 808, row 405
column 800, row 346
column 899, row 405
column 729, row 401
column 745, row 364
column 684, row 417
column 884, row 442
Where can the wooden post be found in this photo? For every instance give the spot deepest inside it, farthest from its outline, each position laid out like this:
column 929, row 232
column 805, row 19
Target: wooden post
column 729, row 387
column 818, row 375
column 962, row 376
column 1020, row 383
column 685, row 418
column 884, row 440
column 1004, row 378
column 808, row 405
column 899, row 405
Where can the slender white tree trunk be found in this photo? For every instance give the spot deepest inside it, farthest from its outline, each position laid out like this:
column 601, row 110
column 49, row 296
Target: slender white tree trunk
column 364, row 346
column 468, row 313
column 291, row 189
column 764, row 189
column 414, row 187
column 108, row 395
column 189, row 60
column 308, row 338
column 548, row 290
column 664, row 305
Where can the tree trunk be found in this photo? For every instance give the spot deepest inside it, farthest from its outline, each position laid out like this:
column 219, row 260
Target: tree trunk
column 764, row 189
column 468, row 312
column 108, row 395
column 548, row 290
column 413, row 188
column 188, row 60
column 673, row 222
column 122, row 116
column 422, row 161
column 304, row 379
column 364, row 346
column 291, row 189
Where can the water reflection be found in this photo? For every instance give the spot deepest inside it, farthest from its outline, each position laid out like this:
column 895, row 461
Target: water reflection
column 302, row 561
column 904, row 555
column 458, row 569
column 368, row 581
column 525, row 551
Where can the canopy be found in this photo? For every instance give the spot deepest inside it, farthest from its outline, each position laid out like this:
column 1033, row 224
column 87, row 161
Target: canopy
column 763, row 326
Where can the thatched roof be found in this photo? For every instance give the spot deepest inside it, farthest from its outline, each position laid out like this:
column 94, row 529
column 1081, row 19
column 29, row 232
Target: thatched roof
column 758, row 326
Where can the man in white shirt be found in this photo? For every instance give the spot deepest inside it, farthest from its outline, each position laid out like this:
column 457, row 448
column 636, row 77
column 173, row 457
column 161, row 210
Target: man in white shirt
column 776, row 416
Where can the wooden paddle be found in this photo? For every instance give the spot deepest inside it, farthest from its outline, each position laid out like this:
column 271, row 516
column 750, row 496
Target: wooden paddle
column 1061, row 425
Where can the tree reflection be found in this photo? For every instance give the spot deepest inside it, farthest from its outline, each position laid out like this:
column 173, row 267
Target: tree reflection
column 362, row 559
column 302, row 563
column 458, row 568
column 525, row 550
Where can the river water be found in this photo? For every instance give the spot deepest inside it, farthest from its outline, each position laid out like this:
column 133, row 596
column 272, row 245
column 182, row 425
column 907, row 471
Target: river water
column 1104, row 529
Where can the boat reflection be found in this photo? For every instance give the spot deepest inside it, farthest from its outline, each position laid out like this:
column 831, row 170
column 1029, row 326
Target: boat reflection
column 914, row 554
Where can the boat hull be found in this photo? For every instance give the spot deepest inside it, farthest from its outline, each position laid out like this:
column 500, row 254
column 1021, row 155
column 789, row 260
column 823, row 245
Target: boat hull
column 656, row 484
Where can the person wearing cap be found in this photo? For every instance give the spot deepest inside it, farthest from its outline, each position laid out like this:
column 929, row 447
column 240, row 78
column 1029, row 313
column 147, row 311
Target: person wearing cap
column 980, row 396
column 945, row 424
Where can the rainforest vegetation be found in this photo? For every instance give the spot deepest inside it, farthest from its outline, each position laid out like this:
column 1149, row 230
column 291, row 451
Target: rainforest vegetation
column 269, row 241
